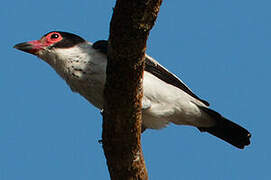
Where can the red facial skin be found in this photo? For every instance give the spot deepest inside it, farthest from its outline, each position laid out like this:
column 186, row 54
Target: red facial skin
column 33, row 47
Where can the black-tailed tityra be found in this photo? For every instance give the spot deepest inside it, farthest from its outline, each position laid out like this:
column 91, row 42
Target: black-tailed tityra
column 166, row 98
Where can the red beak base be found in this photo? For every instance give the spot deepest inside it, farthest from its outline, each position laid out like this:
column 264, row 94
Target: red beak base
column 31, row 47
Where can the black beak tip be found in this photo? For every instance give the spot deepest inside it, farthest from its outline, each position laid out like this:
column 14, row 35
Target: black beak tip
column 21, row 46
column 26, row 47
column 16, row 46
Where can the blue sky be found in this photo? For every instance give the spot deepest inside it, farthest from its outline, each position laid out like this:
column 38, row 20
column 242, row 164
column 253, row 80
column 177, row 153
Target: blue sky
column 221, row 49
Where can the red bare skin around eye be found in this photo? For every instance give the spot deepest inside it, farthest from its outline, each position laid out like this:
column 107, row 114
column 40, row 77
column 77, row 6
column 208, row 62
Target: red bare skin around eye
column 46, row 41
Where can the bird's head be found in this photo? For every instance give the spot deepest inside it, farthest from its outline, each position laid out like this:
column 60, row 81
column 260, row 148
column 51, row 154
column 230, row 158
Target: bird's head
column 49, row 42
column 58, row 49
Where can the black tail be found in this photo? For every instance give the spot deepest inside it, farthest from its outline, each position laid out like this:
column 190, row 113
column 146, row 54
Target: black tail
column 227, row 130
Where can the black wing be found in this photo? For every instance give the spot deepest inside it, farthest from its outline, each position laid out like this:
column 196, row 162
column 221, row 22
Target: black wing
column 157, row 70
column 162, row 73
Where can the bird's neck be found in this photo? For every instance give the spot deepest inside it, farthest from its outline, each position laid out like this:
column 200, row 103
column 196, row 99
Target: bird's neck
column 80, row 66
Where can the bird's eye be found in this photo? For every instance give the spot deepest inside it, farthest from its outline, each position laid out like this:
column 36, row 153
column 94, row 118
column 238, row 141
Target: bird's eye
column 54, row 36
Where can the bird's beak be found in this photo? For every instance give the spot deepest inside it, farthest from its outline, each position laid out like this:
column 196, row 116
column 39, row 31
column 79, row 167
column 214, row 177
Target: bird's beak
column 32, row 47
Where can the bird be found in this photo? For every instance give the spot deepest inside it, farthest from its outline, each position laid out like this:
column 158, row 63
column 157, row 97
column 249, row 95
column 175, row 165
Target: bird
column 166, row 99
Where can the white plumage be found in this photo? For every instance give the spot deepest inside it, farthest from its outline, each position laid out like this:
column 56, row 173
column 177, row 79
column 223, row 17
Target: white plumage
column 166, row 98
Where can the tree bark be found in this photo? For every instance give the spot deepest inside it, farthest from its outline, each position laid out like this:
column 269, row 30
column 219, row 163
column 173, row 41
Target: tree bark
column 131, row 23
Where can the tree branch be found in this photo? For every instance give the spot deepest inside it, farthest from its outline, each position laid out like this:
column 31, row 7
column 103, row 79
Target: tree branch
column 131, row 23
